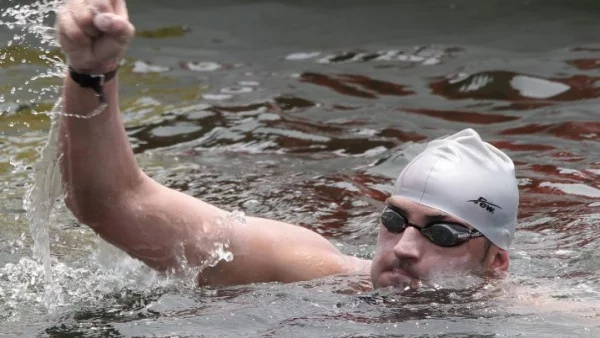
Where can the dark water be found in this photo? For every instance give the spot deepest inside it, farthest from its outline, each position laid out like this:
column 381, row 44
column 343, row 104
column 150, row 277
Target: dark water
column 305, row 112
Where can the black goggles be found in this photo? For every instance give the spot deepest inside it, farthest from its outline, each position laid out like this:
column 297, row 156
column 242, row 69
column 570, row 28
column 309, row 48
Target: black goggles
column 439, row 233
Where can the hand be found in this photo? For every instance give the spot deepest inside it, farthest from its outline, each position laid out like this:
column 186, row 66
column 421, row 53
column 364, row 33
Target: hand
column 94, row 34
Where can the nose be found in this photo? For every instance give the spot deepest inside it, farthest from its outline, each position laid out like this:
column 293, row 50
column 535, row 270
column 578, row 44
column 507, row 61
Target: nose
column 410, row 245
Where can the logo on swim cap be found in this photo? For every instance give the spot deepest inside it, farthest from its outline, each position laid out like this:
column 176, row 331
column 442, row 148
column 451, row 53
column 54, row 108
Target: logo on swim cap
column 485, row 204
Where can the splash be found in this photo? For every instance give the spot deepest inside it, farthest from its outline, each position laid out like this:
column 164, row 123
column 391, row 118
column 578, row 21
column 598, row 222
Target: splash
column 218, row 241
column 220, row 250
column 33, row 43
column 24, row 287
column 39, row 202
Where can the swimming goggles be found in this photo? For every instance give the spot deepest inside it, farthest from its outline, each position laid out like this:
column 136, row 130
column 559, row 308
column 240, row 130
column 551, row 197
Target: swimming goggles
column 445, row 234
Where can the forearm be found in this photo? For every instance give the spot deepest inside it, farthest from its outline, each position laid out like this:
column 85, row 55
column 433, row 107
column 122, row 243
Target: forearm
column 107, row 190
column 98, row 164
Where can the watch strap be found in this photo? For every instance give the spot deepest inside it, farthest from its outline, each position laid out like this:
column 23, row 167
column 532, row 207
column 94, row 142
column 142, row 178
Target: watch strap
column 93, row 81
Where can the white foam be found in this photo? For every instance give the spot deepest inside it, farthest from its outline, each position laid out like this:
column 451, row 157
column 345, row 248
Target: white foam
column 537, row 88
column 573, row 189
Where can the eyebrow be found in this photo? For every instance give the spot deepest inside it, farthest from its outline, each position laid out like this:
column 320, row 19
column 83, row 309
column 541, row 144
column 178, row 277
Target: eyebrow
column 429, row 217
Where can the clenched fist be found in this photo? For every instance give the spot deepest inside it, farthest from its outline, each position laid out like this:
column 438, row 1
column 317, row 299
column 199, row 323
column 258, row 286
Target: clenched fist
column 94, row 34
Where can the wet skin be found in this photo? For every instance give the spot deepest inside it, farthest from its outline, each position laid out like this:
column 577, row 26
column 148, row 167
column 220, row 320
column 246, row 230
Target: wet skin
column 408, row 259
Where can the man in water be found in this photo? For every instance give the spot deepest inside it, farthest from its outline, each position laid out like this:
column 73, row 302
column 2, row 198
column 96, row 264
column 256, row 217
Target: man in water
column 453, row 208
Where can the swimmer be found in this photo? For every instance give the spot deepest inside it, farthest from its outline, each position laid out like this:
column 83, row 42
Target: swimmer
column 453, row 208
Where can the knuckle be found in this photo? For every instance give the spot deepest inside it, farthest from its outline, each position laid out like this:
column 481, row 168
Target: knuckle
column 62, row 15
column 75, row 35
column 101, row 5
column 84, row 17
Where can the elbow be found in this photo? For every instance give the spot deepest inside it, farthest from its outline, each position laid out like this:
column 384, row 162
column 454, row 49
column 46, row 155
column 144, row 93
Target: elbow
column 94, row 205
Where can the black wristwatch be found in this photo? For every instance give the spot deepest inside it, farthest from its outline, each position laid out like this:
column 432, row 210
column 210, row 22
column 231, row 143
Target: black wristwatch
column 93, row 81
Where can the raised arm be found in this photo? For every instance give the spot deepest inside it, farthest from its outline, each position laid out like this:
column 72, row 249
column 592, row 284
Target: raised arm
column 160, row 226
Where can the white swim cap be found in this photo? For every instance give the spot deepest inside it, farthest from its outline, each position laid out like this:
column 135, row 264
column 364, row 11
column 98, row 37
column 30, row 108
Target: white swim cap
column 467, row 178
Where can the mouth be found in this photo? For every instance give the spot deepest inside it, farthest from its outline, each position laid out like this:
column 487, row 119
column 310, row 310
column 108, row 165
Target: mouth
column 402, row 279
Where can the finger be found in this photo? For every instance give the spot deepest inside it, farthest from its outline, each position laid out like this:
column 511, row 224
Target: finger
column 71, row 32
column 115, row 26
column 117, row 34
column 78, row 54
column 84, row 17
column 99, row 6
column 120, row 8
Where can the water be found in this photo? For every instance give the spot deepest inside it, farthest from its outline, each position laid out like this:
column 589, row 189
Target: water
column 305, row 112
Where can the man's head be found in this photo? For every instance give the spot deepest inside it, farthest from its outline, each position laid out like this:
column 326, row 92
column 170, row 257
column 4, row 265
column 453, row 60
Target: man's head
column 456, row 190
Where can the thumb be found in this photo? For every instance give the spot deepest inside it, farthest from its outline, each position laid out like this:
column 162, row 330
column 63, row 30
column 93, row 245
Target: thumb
column 115, row 26
column 117, row 32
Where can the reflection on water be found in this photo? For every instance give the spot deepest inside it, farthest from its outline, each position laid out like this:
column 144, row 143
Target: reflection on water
column 314, row 132
column 510, row 86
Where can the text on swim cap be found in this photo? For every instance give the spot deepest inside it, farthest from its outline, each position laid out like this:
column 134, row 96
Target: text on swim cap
column 485, row 204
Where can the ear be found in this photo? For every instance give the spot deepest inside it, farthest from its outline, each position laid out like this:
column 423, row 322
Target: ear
column 497, row 260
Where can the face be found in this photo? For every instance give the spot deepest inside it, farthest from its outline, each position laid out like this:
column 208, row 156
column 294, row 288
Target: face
column 408, row 258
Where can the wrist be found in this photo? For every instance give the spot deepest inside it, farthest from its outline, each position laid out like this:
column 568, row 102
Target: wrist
column 93, row 81
column 95, row 67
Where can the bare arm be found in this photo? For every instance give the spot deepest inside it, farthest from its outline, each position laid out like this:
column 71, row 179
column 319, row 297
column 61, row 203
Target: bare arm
column 158, row 225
